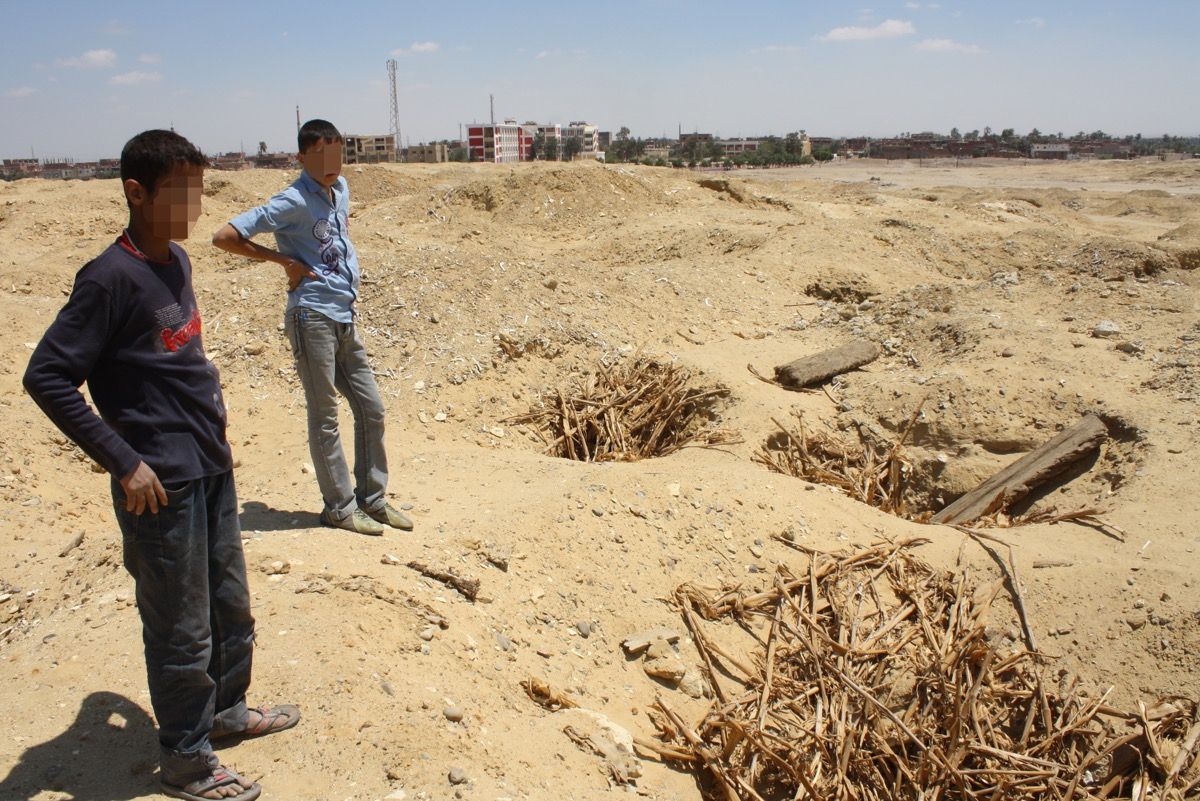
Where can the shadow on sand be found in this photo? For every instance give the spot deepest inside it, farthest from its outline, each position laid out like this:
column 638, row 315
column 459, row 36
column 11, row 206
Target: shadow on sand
column 109, row 753
column 257, row 516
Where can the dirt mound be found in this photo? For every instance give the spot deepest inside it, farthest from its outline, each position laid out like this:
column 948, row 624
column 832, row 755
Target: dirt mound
column 1007, row 304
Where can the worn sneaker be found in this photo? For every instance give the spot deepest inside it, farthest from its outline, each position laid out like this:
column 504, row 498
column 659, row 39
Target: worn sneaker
column 357, row 521
column 391, row 516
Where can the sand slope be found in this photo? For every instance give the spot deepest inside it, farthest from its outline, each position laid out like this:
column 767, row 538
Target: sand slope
column 983, row 284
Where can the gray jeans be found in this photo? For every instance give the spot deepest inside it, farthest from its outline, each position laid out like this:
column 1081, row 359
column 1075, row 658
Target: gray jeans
column 330, row 358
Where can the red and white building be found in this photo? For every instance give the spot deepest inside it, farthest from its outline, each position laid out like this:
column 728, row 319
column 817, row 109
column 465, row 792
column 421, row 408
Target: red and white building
column 499, row 142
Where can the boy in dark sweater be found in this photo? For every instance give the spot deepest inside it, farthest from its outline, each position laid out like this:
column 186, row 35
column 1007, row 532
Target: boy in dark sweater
column 131, row 329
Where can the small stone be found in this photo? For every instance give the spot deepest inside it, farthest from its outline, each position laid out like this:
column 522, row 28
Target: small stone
column 457, row 776
column 757, row 550
column 255, row 348
column 427, row 634
column 504, row 642
column 597, row 511
column 395, row 774
column 550, row 283
column 1008, row 353
column 584, row 628
column 390, row 559
column 440, row 417
column 663, row 662
column 307, row 469
column 1136, row 620
column 693, row 683
column 1132, row 348
column 277, row 567
column 1105, row 329
column 396, row 795
column 454, row 714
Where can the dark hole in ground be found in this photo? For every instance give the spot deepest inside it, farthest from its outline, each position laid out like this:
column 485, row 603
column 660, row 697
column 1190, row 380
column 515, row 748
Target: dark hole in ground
column 880, row 472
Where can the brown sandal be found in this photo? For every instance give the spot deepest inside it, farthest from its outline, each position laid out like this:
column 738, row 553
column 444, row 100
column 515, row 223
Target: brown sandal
column 220, row 777
column 270, row 720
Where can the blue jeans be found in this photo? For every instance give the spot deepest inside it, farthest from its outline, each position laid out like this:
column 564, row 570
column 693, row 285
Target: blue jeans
column 330, row 358
column 192, row 594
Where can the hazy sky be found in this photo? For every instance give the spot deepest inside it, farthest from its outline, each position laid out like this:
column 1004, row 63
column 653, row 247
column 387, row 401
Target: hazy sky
column 79, row 78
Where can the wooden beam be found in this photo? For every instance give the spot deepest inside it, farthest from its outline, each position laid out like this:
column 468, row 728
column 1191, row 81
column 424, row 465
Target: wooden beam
column 1025, row 474
column 825, row 365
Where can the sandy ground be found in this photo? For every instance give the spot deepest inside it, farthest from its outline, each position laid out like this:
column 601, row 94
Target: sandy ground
column 984, row 284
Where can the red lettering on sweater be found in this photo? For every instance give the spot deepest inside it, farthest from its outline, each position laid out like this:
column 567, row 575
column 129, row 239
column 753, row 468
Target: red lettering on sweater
column 174, row 340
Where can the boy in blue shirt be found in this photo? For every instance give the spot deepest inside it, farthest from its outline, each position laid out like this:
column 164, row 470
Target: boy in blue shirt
column 132, row 330
column 310, row 220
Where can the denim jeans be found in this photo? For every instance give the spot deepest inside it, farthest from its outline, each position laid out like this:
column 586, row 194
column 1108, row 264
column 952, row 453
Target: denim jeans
column 192, row 595
column 330, row 358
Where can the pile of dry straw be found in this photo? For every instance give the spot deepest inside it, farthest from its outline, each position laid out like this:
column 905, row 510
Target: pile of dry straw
column 635, row 409
column 875, row 678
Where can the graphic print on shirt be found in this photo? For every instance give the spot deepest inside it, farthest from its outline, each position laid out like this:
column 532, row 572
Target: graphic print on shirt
column 329, row 253
column 170, row 316
column 175, row 338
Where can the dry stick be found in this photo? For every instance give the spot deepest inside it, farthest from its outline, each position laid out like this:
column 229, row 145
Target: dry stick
column 690, row 622
column 1185, row 750
column 849, row 682
column 1013, row 580
column 769, row 670
column 729, row 784
column 468, row 587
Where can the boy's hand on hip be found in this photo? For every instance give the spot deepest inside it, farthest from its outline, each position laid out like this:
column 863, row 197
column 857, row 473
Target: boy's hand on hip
column 143, row 489
column 297, row 272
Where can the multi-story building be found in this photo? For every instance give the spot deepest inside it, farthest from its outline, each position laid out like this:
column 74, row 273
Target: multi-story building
column 552, row 138
column 229, row 161
column 12, row 169
column 499, row 142
column 731, row 148
column 360, row 149
column 588, row 136
column 273, row 161
column 434, row 153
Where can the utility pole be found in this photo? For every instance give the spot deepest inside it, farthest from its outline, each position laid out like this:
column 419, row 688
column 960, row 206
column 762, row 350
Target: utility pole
column 492, row 104
column 395, row 120
column 297, row 119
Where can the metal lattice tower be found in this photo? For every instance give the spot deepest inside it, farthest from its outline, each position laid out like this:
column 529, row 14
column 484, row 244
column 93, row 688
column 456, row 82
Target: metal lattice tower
column 391, row 68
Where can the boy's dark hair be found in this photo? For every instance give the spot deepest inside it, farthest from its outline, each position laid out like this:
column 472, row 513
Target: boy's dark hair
column 149, row 156
column 315, row 131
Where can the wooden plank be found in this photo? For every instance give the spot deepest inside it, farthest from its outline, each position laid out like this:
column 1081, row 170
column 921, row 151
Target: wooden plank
column 1027, row 473
column 825, row 365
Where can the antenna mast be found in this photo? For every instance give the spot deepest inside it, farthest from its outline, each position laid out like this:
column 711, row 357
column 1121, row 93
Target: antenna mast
column 395, row 119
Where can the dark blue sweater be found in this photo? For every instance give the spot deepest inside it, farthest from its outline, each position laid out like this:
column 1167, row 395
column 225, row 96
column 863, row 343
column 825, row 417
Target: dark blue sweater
column 131, row 330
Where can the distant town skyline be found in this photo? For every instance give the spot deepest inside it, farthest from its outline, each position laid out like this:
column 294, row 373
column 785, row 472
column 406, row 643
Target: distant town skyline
column 229, row 75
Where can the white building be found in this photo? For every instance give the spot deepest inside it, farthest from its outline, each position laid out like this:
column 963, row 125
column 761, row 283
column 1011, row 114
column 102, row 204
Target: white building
column 588, row 136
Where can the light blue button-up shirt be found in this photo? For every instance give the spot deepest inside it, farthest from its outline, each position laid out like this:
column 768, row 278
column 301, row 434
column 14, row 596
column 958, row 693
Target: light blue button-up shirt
column 311, row 229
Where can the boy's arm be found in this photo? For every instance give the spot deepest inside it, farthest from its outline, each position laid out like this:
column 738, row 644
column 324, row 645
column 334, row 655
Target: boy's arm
column 278, row 213
column 230, row 239
column 60, row 364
